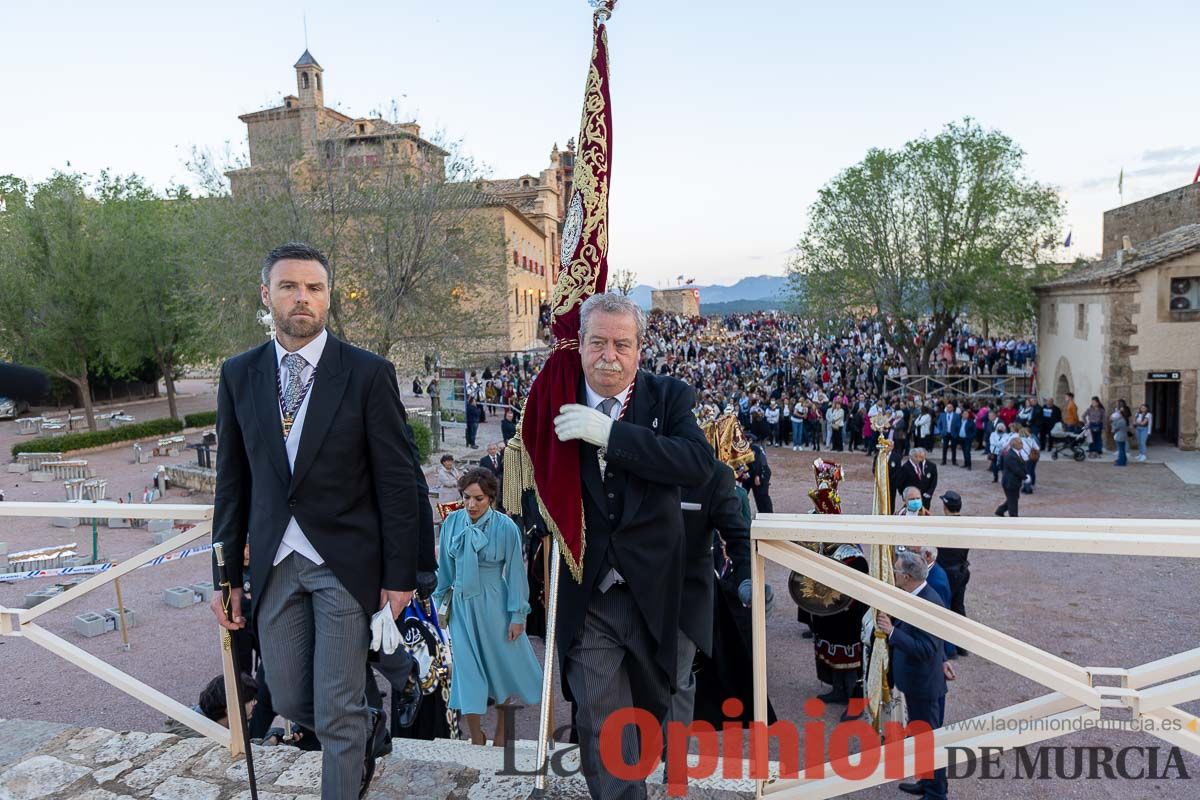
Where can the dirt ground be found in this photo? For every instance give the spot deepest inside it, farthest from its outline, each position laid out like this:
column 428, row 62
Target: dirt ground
column 1093, row 610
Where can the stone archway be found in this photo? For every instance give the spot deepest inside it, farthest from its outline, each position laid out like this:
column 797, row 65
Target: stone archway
column 1063, row 383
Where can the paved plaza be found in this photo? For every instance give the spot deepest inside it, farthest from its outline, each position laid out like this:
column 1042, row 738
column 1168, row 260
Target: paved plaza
column 1093, row 610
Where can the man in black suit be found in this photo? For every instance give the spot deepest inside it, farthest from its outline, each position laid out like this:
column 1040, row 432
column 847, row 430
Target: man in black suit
column 493, row 462
column 315, row 468
column 618, row 628
column 919, row 668
column 1012, row 466
column 759, row 479
column 1043, row 421
column 919, row 472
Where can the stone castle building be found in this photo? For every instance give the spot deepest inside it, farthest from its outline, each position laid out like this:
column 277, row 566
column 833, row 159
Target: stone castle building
column 526, row 212
column 1128, row 325
column 683, row 301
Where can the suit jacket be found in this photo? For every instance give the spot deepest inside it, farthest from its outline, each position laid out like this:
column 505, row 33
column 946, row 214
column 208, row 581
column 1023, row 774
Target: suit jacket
column 495, row 467
column 917, row 656
column 1014, row 469
column 906, row 476
column 354, row 490
column 720, row 513
column 633, row 518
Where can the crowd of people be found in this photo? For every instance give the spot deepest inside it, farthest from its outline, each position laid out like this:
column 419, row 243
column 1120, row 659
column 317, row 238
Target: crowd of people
column 340, row 550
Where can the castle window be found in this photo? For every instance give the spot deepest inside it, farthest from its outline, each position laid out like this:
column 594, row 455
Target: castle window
column 1080, row 318
column 395, row 148
column 362, row 128
column 303, row 80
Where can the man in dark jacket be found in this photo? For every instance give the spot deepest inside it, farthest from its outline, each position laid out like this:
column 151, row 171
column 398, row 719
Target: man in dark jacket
column 618, row 627
column 758, row 481
column 1012, row 466
column 1044, row 420
column 918, row 664
column 919, row 472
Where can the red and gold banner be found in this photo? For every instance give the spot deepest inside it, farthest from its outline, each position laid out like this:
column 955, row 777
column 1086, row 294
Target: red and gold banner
column 584, row 271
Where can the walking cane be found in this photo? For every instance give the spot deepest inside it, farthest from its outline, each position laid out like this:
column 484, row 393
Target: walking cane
column 233, row 676
column 544, row 732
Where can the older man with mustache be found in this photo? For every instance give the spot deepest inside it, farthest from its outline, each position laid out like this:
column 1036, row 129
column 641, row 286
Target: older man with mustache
column 639, row 442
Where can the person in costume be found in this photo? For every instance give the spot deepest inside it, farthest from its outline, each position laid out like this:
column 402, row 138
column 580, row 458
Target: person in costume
column 715, row 621
column 481, row 578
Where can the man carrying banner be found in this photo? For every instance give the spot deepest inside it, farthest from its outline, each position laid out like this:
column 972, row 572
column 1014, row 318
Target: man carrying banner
column 618, row 627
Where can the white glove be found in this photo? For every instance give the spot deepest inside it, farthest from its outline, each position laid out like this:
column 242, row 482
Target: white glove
column 580, row 422
column 385, row 636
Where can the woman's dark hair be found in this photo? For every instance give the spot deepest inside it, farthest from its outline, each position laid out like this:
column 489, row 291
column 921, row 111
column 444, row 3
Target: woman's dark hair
column 486, row 480
column 212, row 700
column 296, row 251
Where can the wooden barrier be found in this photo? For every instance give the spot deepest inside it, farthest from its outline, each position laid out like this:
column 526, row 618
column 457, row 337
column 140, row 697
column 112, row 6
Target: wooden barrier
column 1150, row 692
column 20, row 622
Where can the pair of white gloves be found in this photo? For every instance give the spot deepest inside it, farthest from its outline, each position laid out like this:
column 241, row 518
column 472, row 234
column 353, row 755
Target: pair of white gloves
column 573, row 422
column 385, row 636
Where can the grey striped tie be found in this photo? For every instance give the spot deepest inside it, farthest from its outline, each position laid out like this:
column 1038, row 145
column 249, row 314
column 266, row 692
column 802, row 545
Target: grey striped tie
column 605, row 407
column 294, row 363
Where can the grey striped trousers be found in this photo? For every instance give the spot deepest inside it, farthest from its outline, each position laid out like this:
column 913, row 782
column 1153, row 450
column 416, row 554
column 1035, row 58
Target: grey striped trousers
column 313, row 636
column 609, row 666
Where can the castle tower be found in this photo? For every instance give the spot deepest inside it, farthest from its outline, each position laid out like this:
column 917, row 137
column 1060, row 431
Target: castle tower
column 312, row 100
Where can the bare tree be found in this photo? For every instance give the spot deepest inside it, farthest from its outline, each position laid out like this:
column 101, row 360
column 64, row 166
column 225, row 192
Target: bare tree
column 623, row 281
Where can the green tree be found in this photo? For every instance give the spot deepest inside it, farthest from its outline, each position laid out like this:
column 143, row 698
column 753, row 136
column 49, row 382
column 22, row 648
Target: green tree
column 147, row 245
column 945, row 225
column 52, row 295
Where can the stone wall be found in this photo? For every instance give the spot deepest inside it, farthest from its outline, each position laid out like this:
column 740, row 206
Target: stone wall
column 684, row 302
column 1151, row 217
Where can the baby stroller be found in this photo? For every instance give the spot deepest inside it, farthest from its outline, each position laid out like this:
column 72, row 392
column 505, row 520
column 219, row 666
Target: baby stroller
column 1064, row 440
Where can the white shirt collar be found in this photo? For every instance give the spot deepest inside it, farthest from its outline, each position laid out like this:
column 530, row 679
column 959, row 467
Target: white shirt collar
column 594, row 398
column 311, row 352
column 920, row 588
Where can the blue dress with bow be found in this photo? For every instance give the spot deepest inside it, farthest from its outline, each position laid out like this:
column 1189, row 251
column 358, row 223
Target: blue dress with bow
column 481, row 573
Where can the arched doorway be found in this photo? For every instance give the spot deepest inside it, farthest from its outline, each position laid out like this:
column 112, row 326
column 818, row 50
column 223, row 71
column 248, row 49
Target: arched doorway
column 1060, row 391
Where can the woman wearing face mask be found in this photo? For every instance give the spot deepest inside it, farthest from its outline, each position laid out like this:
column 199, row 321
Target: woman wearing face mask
column 1119, row 423
column 482, row 582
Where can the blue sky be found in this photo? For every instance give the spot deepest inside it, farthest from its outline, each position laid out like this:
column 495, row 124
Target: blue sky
column 728, row 116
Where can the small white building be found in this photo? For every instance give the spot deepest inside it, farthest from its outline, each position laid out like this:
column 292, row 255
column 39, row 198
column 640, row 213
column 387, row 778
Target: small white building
column 1128, row 327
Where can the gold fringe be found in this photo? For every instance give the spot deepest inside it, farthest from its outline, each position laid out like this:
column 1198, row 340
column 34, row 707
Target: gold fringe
column 518, row 477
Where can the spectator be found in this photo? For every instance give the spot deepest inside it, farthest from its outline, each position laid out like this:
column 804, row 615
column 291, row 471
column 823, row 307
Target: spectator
column 1012, row 467
column 446, row 480
column 772, row 415
column 996, row 444
column 966, row 433
column 948, row 424
column 212, row 703
column 837, row 422
column 493, row 462
column 508, row 425
column 1119, row 424
column 1142, row 424
column 797, row 419
column 1094, row 417
column 474, row 417
column 1032, row 453
column 759, row 479
column 1071, row 415
column 918, row 472
column 1049, row 416
column 912, row 506
column 954, row 562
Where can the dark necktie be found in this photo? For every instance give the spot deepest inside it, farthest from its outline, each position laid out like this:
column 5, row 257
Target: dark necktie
column 605, row 407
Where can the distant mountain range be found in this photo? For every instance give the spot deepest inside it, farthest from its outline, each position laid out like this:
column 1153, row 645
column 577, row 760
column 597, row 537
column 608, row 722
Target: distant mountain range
column 755, row 293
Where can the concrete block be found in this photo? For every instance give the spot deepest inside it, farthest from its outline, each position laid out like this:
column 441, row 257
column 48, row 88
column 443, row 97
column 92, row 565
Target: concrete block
column 130, row 618
column 119, row 522
column 41, row 476
column 179, row 597
column 65, row 522
column 162, row 536
column 90, row 624
column 18, row 469
column 41, row 595
column 205, row 591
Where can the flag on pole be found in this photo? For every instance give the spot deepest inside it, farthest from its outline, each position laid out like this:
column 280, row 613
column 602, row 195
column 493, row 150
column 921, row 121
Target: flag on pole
column 1121, row 182
column 1196, row 179
column 548, row 465
column 1067, row 241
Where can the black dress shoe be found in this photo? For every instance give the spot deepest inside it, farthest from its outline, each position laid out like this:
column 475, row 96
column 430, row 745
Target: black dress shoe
column 835, row 697
column 375, row 730
column 912, row 788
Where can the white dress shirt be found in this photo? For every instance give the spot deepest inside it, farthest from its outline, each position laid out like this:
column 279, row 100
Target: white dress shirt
column 916, row 591
column 594, row 399
column 294, row 539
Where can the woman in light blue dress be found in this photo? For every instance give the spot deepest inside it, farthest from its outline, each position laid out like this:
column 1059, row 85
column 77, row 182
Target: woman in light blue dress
column 481, row 577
